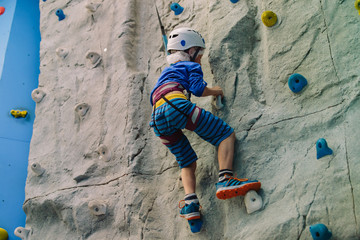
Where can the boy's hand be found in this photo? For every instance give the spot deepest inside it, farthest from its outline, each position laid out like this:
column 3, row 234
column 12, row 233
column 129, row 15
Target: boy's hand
column 213, row 91
column 218, row 91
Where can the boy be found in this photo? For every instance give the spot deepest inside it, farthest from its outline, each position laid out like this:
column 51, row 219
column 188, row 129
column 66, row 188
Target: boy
column 172, row 111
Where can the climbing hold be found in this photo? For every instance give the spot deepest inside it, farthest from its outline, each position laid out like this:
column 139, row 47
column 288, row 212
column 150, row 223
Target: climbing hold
column 195, row 225
column 60, row 14
column 97, row 208
column 95, row 58
column 104, row 153
column 19, row 113
column 2, row 10
column 297, row 82
column 320, row 232
column 253, row 201
column 3, row 234
column 81, row 109
column 38, row 95
column 176, row 8
column 217, row 103
column 22, row 233
column 91, row 6
column 62, row 52
column 322, row 148
column 234, row 1
column 357, row 5
column 269, row 18
column 37, row 169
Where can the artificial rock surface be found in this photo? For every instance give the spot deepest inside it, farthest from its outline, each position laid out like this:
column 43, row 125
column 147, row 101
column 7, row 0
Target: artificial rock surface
column 91, row 133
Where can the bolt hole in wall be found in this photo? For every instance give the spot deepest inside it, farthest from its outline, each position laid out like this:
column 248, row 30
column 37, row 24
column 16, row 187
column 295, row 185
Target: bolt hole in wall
column 19, row 72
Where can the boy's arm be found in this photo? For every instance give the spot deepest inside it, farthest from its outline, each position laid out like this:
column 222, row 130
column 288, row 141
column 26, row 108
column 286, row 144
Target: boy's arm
column 213, row 91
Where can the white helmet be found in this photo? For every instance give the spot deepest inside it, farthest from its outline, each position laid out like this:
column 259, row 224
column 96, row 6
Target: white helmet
column 184, row 38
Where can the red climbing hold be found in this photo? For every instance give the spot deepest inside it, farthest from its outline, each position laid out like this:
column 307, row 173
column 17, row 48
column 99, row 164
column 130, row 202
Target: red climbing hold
column 2, row 10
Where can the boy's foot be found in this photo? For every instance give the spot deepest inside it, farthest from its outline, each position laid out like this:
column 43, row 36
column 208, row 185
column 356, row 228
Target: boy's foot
column 233, row 187
column 189, row 211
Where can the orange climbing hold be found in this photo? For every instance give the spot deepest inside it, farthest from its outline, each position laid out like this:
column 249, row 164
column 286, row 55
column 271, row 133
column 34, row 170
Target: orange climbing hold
column 2, row 10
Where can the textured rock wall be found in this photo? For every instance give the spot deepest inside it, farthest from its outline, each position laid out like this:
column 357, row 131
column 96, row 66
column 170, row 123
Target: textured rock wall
column 108, row 177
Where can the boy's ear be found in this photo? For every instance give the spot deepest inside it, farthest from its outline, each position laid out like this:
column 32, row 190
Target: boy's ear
column 192, row 50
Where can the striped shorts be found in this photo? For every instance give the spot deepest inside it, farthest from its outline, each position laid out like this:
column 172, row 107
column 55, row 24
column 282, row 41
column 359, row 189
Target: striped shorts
column 170, row 121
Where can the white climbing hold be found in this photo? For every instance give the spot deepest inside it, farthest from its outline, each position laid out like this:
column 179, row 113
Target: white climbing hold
column 22, row 233
column 81, row 109
column 253, row 201
column 104, row 153
column 62, row 52
column 38, row 95
column 217, row 103
column 92, row 6
column 94, row 58
column 37, row 169
column 97, row 207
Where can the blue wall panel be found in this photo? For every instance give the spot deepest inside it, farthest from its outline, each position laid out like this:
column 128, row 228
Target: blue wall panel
column 19, row 77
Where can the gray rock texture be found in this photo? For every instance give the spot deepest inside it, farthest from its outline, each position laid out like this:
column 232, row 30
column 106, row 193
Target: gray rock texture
column 106, row 174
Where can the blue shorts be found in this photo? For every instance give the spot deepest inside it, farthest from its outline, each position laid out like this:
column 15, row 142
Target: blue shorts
column 169, row 123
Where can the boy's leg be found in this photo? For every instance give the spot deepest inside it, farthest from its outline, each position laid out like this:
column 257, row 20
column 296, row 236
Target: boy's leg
column 186, row 158
column 214, row 130
column 226, row 153
column 228, row 186
column 180, row 146
column 190, row 208
column 188, row 178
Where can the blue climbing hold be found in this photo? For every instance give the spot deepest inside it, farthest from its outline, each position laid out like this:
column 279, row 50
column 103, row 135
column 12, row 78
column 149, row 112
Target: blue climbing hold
column 195, row 225
column 297, row 82
column 234, row 1
column 176, row 8
column 60, row 14
column 320, row 232
column 183, row 43
column 322, row 148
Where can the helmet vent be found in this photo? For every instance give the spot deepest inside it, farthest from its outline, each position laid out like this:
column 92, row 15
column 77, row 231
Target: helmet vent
column 174, row 36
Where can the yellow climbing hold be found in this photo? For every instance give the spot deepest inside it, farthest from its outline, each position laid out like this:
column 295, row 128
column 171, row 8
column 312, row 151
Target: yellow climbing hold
column 269, row 18
column 19, row 113
column 357, row 5
column 3, row 234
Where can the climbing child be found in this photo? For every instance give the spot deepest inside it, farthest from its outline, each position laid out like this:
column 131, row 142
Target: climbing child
column 172, row 112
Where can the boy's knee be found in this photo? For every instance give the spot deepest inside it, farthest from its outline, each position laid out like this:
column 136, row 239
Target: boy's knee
column 232, row 136
column 191, row 166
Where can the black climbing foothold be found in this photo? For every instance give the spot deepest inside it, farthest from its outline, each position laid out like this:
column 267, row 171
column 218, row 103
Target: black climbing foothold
column 297, row 82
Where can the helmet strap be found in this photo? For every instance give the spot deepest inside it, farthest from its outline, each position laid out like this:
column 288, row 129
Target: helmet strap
column 193, row 58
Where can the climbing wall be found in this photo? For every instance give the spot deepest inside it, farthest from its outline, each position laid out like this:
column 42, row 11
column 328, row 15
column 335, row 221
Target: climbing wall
column 96, row 170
